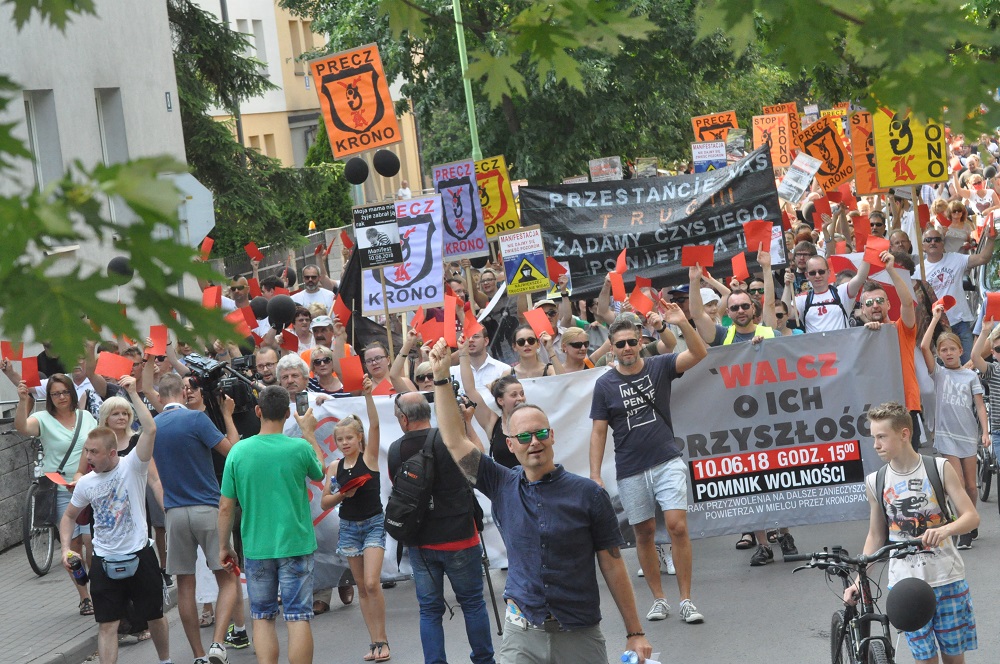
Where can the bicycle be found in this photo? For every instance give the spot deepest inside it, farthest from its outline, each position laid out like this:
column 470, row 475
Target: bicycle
column 39, row 536
column 851, row 640
column 986, row 467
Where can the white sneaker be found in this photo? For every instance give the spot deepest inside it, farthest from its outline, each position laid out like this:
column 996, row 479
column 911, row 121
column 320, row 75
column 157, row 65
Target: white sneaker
column 659, row 611
column 690, row 614
column 666, row 561
column 217, row 654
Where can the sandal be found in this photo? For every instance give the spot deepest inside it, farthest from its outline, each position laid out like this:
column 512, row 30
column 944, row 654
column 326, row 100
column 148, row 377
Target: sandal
column 207, row 619
column 746, row 541
column 382, row 645
column 86, row 607
column 772, row 536
column 370, row 657
column 144, row 635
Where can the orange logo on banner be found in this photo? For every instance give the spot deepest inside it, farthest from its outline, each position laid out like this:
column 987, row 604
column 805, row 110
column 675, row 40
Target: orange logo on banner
column 714, row 127
column 773, row 130
column 794, row 121
column 354, row 97
column 822, row 141
column 863, row 150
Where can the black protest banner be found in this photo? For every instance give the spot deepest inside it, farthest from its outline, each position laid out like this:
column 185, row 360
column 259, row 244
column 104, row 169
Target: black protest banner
column 589, row 224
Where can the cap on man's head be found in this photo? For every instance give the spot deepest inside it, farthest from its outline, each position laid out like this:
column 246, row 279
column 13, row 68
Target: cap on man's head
column 629, row 317
column 708, row 296
column 542, row 303
column 321, row 321
column 684, row 288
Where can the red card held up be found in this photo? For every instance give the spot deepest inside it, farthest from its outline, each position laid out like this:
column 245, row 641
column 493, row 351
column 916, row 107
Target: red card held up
column 449, row 332
column 740, row 270
column 698, row 254
column 289, row 341
column 59, row 479
column 236, row 319
column 643, row 282
column 555, row 269
column 355, row 483
column 211, row 297
column 841, row 247
column 874, row 249
column 430, row 330
column 620, row 265
column 111, row 365
column 29, row 371
column 318, row 250
column 471, row 327
column 847, row 198
column 11, row 351
column 992, row 308
column 786, row 221
column 758, row 233
column 947, row 302
column 539, row 322
column 351, row 373
column 254, row 287
column 818, row 221
column 822, row 206
column 923, row 215
column 341, row 311
column 158, row 335
column 253, row 252
column 346, row 240
column 617, row 286
column 418, row 317
column 862, row 230
column 943, row 220
column 206, row 248
column 640, row 302
column 278, row 290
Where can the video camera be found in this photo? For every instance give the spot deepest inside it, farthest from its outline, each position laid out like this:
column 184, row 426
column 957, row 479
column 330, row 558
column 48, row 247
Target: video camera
column 216, row 378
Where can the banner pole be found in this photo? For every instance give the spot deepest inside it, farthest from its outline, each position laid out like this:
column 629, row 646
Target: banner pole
column 468, row 288
column 463, row 59
column 920, row 233
column 388, row 317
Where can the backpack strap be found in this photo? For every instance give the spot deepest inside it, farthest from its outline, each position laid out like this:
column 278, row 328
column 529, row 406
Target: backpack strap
column 879, row 495
column 934, row 477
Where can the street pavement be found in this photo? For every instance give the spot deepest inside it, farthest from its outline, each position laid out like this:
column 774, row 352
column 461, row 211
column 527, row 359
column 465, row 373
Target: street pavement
column 753, row 615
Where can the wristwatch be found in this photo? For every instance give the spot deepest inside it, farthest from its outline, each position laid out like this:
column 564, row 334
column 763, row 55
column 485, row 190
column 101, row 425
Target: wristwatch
column 663, row 329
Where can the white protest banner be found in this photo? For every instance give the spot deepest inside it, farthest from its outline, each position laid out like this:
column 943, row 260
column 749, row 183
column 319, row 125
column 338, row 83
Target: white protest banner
column 378, row 235
column 708, row 156
column 464, row 229
column 798, row 176
column 418, row 279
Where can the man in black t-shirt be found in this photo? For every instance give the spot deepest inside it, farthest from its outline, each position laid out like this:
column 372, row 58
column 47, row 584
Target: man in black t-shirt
column 449, row 541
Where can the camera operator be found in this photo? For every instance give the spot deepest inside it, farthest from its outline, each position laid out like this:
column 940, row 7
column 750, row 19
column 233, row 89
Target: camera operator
column 266, row 367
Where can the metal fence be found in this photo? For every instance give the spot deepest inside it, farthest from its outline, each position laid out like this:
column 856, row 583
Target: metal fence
column 238, row 265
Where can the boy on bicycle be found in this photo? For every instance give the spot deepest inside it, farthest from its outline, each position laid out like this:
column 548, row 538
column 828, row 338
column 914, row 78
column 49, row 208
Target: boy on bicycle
column 908, row 509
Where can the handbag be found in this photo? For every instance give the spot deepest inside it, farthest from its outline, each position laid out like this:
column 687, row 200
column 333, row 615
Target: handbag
column 46, row 511
column 121, row 567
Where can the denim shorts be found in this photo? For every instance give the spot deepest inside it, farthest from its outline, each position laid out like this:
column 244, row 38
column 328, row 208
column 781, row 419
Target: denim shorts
column 62, row 502
column 665, row 485
column 953, row 626
column 356, row 536
column 293, row 576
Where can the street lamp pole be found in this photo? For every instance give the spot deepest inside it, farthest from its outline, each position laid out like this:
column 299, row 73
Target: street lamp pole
column 463, row 58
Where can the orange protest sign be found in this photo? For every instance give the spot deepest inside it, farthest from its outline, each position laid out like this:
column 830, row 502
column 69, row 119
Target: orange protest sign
column 355, row 101
column 714, row 127
column 794, row 121
column 863, row 151
column 773, row 130
column 822, row 141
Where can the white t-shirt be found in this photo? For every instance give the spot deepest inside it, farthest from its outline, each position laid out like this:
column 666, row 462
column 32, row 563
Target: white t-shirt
column 38, row 393
column 945, row 277
column 119, row 500
column 491, row 370
column 323, row 296
column 824, row 315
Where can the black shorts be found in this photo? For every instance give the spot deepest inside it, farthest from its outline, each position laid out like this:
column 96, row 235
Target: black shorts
column 144, row 588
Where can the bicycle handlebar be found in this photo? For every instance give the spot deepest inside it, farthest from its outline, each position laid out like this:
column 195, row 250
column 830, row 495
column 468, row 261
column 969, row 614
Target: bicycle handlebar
column 838, row 556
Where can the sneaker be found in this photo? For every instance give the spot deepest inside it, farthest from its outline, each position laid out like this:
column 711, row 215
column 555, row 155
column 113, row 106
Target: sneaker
column 201, row 660
column 238, row 640
column 659, row 611
column 667, row 564
column 965, row 541
column 762, row 556
column 690, row 613
column 168, row 580
column 975, row 533
column 787, row 543
column 217, row 654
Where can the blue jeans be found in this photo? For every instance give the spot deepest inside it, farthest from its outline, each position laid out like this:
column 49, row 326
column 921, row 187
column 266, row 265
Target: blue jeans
column 293, row 577
column 964, row 332
column 465, row 571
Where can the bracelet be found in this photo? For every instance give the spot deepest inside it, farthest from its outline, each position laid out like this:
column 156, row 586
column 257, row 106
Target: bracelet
column 443, row 381
column 631, row 634
column 663, row 329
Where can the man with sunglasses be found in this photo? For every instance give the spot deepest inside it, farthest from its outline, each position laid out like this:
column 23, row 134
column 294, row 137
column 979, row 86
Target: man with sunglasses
column 555, row 524
column 944, row 271
column 875, row 311
column 824, row 309
column 311, row 291
column 634, row 400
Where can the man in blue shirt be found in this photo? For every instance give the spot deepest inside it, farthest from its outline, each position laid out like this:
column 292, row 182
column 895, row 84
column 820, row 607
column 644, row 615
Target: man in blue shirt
column 554, row 522
column 183, row 455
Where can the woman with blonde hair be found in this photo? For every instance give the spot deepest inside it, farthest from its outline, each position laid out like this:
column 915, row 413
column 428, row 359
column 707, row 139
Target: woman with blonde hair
column 575, row 342
column 325, row 379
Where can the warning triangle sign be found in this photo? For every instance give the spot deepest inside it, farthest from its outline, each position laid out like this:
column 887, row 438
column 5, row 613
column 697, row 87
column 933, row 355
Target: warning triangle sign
column 528, row 274
column 711, row 167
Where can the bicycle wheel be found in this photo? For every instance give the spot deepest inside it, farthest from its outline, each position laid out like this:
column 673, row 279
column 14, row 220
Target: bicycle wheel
column 984, row 472
column 841, row 647
column 877, row 654
column 39, row 541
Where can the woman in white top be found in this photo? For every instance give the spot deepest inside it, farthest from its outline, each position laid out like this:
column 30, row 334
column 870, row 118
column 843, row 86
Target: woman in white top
column 955, row 225
column 979, row 197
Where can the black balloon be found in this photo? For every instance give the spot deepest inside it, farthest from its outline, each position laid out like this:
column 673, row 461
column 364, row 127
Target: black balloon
column 280, row 310
column 386, row 163
column 356, row 170
column 259, row 306
column 910, row 605
column 120, row 270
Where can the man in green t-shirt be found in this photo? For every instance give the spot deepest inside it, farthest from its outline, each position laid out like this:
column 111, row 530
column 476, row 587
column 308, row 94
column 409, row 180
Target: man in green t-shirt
column 267, row 475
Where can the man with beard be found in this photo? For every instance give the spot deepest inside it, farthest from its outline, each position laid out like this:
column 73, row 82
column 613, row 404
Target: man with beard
column 311, row 290
column 875, row 311
column 634, row 400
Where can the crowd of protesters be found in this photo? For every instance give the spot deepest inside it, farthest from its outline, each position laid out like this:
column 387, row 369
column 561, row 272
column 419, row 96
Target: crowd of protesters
column 155, row 450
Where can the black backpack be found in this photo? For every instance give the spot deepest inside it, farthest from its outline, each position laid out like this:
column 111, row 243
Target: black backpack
column 410, row 497
column 933, row 476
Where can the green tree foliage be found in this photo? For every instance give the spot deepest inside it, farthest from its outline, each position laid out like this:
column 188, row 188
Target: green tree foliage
column 328, row 194
column 593, row 78
column 256, row 198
